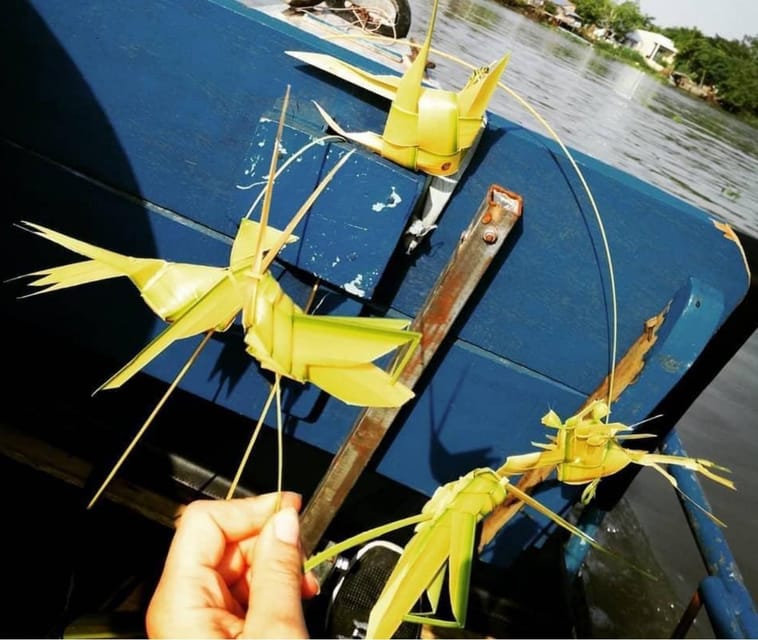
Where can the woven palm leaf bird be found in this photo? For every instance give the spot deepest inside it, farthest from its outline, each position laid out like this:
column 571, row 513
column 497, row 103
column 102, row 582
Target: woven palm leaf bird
column 426, row 128
column 334, row 353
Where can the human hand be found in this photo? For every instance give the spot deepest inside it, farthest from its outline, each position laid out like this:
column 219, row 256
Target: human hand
column 234, row 569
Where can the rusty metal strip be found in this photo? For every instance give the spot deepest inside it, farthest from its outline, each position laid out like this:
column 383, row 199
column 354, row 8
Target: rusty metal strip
column 480, row 243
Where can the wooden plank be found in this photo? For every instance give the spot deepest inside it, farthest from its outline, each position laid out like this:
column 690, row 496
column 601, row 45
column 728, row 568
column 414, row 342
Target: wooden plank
column 48, row 459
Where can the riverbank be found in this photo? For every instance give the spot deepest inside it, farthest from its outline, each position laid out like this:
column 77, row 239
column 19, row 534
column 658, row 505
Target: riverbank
column 611, row 49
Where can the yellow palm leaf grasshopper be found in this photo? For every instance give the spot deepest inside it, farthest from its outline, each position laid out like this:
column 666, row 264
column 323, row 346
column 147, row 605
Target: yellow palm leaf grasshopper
column 442, row 546
column 334, row 353
column 586, row 450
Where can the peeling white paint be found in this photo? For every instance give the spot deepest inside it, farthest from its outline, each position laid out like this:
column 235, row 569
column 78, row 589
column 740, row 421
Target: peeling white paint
column 354, row 286
column 249, row 171
column 335, row 262
column 393, row 200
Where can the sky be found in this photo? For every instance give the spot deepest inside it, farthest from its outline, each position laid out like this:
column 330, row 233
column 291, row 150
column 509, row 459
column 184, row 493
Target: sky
column 731, row 19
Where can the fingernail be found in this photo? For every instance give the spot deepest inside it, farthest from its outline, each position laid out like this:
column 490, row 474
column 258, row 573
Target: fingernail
column 312, row 579
column 287, row 526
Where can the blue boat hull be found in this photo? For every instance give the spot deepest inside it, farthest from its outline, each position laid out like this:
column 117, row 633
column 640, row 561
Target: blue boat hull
column 139, row 128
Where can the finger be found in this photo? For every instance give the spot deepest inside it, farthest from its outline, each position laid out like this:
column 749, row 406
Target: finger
column 275, row 608
column 206, row 526
column 240, row 590
column 162, row 622
column 194, row 607
column 239, row 586
column 310, row 586
column 235, row 563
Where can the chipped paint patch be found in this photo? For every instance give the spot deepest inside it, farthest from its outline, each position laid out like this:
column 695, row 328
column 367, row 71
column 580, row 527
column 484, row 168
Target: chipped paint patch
column 393, row 200
column 354, row 286
column 730, row 234
column 249, row 172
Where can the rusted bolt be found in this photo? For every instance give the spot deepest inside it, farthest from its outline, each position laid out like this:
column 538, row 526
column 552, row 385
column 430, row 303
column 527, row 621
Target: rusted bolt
column 445, row 166
column 489, row 236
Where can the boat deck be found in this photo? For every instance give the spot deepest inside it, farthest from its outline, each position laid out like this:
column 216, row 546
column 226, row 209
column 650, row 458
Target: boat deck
column 101, row 567
column 150, row 138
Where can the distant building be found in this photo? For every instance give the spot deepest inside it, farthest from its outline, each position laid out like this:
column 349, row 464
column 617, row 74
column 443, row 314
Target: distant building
column 566, row 15
column 658, row 50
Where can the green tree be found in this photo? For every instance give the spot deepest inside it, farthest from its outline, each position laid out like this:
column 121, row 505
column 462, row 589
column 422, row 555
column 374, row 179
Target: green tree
column 729, row 65
column 619, row 18
column 626, row 17
column 593, row 11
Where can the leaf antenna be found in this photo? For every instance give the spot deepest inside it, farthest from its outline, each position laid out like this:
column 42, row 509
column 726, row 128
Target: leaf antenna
column 279, row 440
column 708, row 513
column 287, row 231
column 251, row 443
column 265, row 210
column 292, row 158
column 697, row 468
column 150, row 418
column 360, row 538
column 540, row 508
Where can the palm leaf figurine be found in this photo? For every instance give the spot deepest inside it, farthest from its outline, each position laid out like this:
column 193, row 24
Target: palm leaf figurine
column 587, row 449
column 426, row 129
column 335, row 353
column 441, row 551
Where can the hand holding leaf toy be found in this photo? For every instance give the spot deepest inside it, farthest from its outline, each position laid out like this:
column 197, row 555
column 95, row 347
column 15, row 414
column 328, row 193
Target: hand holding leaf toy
column 334, row 353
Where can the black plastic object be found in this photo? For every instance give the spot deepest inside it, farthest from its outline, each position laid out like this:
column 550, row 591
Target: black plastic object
column 358, row 589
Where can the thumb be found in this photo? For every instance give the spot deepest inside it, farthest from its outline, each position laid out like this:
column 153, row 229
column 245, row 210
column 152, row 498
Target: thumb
column 275, row 608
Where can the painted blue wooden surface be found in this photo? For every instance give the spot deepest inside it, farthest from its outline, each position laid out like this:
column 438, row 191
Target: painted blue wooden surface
column 132, row 125
column 347, row 244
